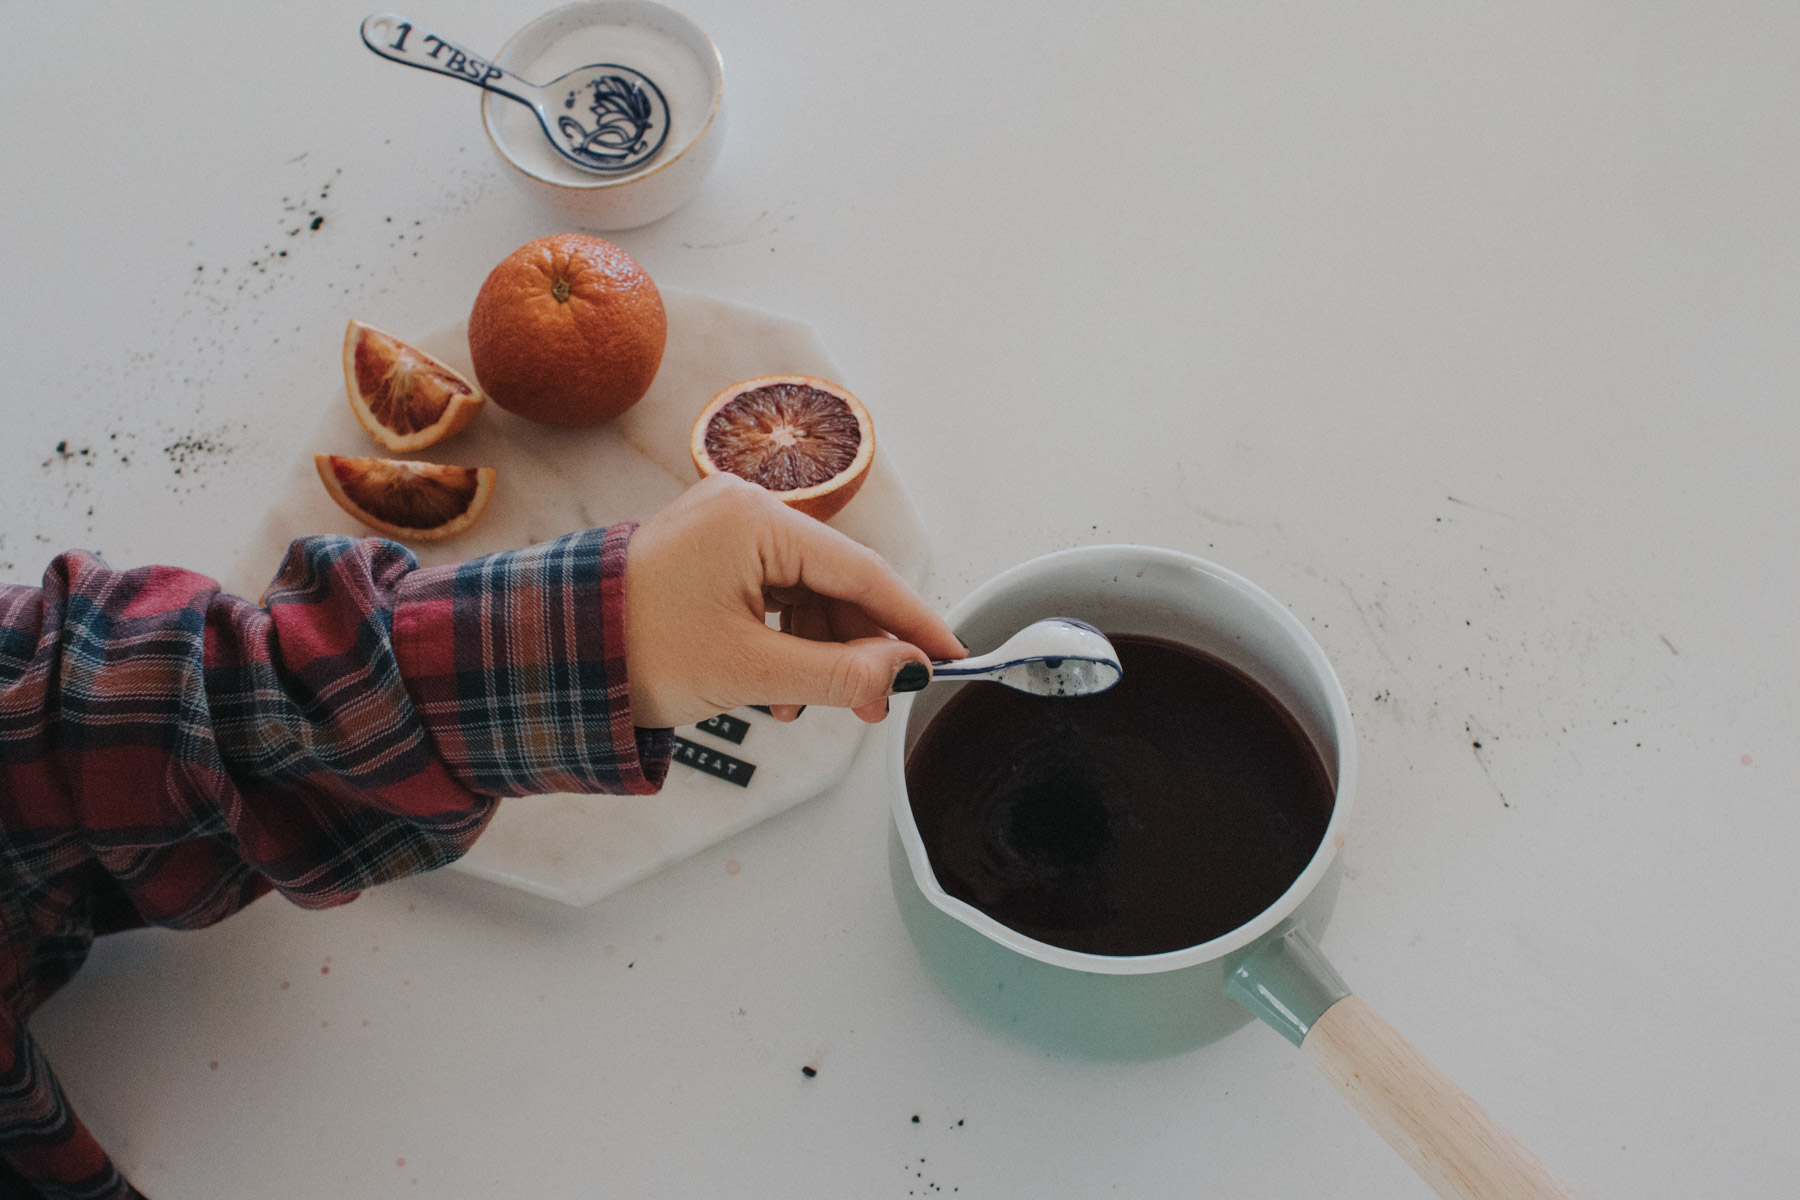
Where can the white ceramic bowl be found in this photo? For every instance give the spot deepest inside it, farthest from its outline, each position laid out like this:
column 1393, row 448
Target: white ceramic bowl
column 649, row 38
column 1158, row 593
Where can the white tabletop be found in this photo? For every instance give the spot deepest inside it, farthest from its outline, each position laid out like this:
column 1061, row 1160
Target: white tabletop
column 1468, row 332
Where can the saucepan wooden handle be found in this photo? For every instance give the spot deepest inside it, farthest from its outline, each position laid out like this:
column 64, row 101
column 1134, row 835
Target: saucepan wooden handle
column 1445, row 1136
column 1441, row 1132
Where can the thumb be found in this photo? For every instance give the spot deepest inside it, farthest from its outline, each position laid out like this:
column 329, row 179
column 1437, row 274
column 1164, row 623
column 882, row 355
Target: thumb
column 857, row 674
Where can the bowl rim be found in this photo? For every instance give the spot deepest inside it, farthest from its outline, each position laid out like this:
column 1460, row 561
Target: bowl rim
column 602, row 184
column 1142, row 964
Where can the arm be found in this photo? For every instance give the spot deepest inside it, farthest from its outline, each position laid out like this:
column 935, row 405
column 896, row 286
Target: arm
column 168, row 753
column 355, row 728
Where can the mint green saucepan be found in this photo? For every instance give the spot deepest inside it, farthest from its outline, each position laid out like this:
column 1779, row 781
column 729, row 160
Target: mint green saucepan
column 1271, row 964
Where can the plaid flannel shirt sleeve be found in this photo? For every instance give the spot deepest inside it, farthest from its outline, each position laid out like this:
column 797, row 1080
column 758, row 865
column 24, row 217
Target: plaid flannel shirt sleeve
column 373, row 723
column 516, row 662
column 168, row 753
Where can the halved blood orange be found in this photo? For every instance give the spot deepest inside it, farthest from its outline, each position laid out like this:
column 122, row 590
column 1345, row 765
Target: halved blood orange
column 405, row 399
column 409, row 501
column 807, row 440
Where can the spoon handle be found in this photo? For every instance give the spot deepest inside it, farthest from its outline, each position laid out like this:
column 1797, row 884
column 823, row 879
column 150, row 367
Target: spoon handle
column 963, row 668
column 394, row 37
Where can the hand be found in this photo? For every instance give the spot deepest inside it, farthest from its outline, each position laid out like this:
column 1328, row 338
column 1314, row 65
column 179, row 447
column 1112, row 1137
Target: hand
column 702, row 574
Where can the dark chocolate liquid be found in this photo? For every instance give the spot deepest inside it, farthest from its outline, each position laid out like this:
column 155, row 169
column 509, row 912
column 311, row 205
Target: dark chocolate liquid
column 1154, row 816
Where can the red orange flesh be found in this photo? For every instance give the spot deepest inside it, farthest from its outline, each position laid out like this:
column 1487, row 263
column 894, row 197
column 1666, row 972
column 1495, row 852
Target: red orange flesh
column 403, row 397
column 808, row 440
column 408, row 501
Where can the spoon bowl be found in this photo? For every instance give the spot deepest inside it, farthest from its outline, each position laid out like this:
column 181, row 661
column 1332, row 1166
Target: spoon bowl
column 1058, row 656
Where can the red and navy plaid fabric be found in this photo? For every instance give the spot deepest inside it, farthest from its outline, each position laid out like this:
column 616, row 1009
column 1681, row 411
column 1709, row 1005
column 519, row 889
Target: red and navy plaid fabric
column 169, row 753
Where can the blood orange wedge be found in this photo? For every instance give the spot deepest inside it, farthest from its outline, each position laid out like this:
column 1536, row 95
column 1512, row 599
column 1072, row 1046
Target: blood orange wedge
column 405, row 399
column 807, row 440
column 409, row 501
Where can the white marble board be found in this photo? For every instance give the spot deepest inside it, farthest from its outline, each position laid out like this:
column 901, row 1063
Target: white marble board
column 571, row 848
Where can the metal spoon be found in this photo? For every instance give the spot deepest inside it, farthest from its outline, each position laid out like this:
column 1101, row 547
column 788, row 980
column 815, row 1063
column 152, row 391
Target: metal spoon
column 1058, row 656
column 630, row 116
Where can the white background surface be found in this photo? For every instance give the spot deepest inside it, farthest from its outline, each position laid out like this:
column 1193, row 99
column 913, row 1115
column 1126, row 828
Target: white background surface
column 1467, row 331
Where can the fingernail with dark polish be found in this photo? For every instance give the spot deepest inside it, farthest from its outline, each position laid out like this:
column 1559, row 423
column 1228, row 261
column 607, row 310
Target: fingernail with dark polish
column 798, row 711
column 912, row 678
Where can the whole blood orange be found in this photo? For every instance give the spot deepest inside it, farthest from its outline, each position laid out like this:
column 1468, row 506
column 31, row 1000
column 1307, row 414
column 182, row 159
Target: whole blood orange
column 405, row 399
column 410, row 501
column 807, row 440
column 567, row 330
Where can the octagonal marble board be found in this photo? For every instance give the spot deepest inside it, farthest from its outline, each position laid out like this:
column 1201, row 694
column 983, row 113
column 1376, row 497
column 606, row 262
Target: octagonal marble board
column 572, row 848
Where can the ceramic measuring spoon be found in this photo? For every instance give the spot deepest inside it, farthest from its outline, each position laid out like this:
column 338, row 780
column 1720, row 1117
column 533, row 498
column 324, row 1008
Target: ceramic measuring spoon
column 1058, row 656
column 603, row 117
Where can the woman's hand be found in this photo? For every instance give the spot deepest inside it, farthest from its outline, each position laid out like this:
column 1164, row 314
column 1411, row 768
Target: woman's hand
column 702, row 574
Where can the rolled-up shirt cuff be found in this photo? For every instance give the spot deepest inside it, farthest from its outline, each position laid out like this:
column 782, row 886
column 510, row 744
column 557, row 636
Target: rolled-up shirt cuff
column 516, row 662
